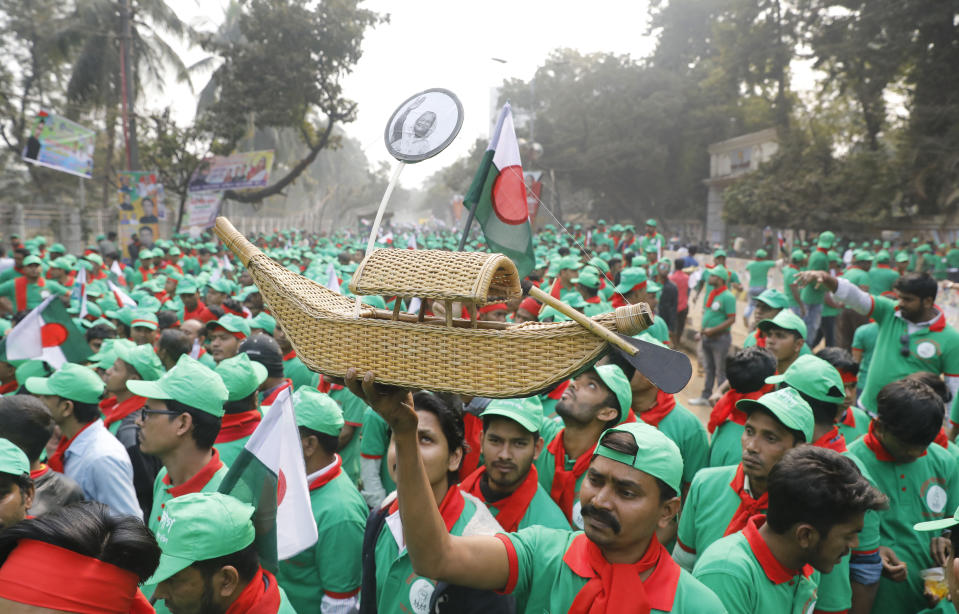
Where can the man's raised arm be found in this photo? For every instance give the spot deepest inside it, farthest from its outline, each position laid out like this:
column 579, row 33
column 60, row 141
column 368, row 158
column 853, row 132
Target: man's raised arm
column 477, row 561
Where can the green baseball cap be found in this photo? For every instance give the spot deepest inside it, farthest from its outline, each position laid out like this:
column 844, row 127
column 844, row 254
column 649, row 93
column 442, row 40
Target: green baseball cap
column 719, row 271
column 31, row 260
column 826, row 240
column 651, row 222
column 651, row 249
column 653, row 288
column 241, row 376
column 568, row 262
column 221, row 285
column 12, row 459
column 599, row 264
column 882, row 256
column 788, row 407
column 719, row 253
column 761, row 253
column 814, row 377
column 142, row 358
column 73, row 382
column 144, row 318
column 186, row 286
column 786, row 320
column 797, row 255
column 232, row 323
column 902, row 257
column 616, row 380
column 773, row 298
column 861, row 255
column 198, row 527
column 630, row 278
column 657, row 455
column 528, row 412
column 588, row 277
column 317, row 411
column 190, row 382
column 938, row 525
column 264, row 321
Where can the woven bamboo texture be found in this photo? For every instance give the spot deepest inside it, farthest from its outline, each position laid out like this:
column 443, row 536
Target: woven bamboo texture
column 473, row 277
column 515, row 361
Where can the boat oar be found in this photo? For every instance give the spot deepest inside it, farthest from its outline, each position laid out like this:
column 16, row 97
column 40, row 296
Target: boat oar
column 667, row 369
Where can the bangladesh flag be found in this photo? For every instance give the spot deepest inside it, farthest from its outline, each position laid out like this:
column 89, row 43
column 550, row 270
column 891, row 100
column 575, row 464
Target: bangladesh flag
column 498, row 196
column 270, row 475
column 46, row 333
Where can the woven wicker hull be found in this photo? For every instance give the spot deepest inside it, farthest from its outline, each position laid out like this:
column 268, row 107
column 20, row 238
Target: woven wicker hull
column 517, row 361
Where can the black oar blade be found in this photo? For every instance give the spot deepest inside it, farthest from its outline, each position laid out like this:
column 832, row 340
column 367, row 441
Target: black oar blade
column 668, row 369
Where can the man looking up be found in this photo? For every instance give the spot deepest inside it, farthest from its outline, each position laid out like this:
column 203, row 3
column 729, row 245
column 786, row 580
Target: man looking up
column 209, row 562
column 722, row 499
column 785, row 337
column 87, row 452
column 632, row 489
column 508, row 482
column 329, row 572
column 918, row 477
column 594, row 401
column 226, row 335
column 817, row 503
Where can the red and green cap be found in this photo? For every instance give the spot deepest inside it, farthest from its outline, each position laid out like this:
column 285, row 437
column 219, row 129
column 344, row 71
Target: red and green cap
column 198, row 527
column 12, row 459
column 528, row 413
column 240, row 327
column 813, row 377
column 773, row 298
column 719, row 271
column 73, row 382
column 630, row 278
column 317, row 411
column 588, row 277
column 787, row 406
column 31, row 259
column 144, row 318
column 618, row 383
column 190, row 382
column 241, row 376
column 142, row 358
column 656, row 455
column 786, row 320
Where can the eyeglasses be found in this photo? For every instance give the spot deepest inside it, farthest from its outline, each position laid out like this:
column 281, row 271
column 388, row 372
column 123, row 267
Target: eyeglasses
column 150, row 412
column 904, row 340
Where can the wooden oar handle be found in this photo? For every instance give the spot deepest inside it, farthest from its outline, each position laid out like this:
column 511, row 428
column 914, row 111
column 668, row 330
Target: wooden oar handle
column 597, row 329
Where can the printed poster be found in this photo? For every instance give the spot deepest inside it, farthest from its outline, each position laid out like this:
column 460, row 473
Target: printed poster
column 58, row 143
column 238, row 171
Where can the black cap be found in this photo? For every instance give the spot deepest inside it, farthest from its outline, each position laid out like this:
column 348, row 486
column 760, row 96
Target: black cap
column 266, row 351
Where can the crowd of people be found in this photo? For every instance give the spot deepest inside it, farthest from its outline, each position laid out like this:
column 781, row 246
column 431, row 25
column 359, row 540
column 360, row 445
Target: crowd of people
column 821, row 475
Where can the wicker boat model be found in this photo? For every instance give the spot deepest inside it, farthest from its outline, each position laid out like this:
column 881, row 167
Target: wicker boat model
column 464, row 356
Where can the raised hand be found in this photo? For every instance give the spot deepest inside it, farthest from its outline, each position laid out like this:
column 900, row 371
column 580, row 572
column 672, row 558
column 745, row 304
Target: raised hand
column 393, row 404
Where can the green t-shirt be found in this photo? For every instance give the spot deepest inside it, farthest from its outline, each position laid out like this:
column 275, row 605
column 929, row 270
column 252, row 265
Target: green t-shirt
column 35, row 293
column 541, row 579
column 749, row 580
column 546, row 468
column 726, row 444
column 925, row 489
column 952, row 258
column 9, row 274
column 354, row 411
column 229, row 450
column 374, row 442
column 722, row 306
column 297, row 372
column 597, row 308
column 689, row 435
column 857, row 277
column 659, row 330
column 332, row 565
column 881, row 279
column 710, row 505
column 933, row 348
column 542, row 511
column 864, row 339
column 657, row 241
column 853, row 424
column 809, row 294
column 789, row 273
column 758, row 271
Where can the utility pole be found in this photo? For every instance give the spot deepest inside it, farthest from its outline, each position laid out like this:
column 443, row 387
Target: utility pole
column 127, row 86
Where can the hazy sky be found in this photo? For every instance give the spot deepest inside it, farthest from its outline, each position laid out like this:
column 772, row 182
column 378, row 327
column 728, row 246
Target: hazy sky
column 450, row 44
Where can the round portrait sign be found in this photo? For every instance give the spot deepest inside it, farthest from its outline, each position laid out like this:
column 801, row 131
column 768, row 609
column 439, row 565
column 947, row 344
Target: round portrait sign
column 424, row 125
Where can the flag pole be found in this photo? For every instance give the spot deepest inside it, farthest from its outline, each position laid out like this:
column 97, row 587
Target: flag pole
column 376, row 223
column 469, row 222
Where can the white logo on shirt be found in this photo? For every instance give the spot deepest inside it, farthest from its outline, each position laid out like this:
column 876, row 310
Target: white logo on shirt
column 715, row 306
column 421, row 591
column 578, row 515
column 936, row 498
column 926, row 350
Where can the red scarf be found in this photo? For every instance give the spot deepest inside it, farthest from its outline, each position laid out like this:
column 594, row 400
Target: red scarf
column 261, row 596
column 848, row 418
column 942, row 439
column 287, row 383
column 450, row 508
column 774, row 570
column 8, row 387
column 329, row 476
column 715, row 292
column 725, row 408
column 472, row 437
column 198, row 481
column 557, row 288
column 872, row 442
column 20, row 290
column 238, row 426
column 760, row 339
column 511, row 508
column 617, row 588
column 665, row 403
column 833, row 440
column 34, row 474
column 56, row 459
column 113, row 411
column 748, row 507
column 563, row 489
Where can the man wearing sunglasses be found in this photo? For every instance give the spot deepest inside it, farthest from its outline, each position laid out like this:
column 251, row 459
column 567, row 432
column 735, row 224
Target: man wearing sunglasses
column 913, row 333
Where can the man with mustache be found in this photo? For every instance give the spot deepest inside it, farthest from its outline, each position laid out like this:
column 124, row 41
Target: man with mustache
column 722, row 499
column 508, row 482
column 630, row 490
